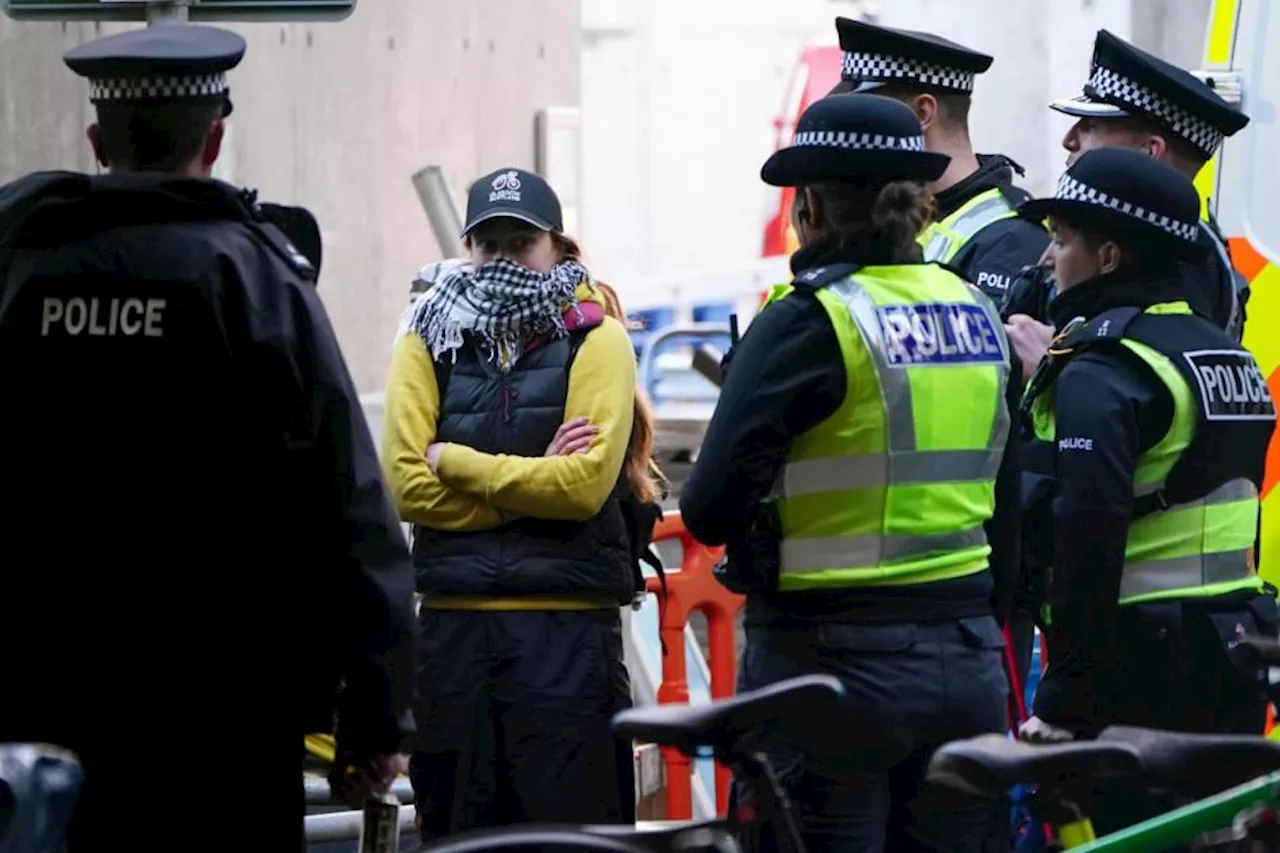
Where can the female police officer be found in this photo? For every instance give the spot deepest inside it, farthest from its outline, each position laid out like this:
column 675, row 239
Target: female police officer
column 850, row 469
column 1153, row 426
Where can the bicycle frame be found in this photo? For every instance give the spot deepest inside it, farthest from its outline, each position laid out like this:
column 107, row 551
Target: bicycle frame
column 1180, row 826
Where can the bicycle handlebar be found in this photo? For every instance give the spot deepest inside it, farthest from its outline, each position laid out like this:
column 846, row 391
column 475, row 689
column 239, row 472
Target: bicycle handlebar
column 40, row 785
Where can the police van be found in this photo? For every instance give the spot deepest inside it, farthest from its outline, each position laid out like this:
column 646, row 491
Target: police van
column 1241, row 189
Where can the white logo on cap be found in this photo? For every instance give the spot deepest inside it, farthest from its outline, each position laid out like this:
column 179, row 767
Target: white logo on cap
column 506, row 187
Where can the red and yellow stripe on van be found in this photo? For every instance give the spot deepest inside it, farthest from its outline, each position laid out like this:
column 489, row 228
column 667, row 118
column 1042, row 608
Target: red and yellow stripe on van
column 1262, row 332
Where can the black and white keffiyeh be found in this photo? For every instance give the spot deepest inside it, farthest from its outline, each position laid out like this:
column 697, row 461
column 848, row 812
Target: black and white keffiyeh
column 500, row 305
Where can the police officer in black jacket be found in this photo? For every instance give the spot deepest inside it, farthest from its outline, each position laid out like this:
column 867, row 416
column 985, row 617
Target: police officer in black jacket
column 1135, row 100
column 1151, row 428
column 201, row 559
column 977, row 228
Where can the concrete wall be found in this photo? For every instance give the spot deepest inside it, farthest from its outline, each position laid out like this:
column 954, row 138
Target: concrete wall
column 337, row 117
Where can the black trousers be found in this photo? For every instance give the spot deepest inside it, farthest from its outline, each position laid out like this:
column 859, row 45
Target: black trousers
column 514, row 711
column 1175, row 673
column 911, row 688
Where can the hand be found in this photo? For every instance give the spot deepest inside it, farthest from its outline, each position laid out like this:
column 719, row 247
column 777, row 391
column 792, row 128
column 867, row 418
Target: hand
column 573, row 436
column 356, row 780
column 1036, row 730
column 433, row 455
column 1030, row 340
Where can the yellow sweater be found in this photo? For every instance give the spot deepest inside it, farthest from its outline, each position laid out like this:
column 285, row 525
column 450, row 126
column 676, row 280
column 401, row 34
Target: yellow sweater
column 480, row 491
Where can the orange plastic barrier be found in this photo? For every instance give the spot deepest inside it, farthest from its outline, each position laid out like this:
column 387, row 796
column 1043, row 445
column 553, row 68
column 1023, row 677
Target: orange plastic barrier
column 693, row 588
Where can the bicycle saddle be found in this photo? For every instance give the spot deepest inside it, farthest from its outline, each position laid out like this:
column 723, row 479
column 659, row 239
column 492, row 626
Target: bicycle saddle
column 992, row 764
column 792, row 707
column 1199, row 765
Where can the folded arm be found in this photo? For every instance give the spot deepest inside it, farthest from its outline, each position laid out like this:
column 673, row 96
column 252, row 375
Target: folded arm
column 412, row 411
column 574, row 487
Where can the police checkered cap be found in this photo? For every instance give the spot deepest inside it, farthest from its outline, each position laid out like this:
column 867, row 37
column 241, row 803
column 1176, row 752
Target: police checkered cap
column 1115, row 87
column 1071, row 189
column 861, row 67
column 187, row 87
column 856, row 141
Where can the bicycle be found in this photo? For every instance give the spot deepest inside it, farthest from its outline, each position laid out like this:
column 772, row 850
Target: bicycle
column 39, row 785
column 732, row 729
column 1233, row 780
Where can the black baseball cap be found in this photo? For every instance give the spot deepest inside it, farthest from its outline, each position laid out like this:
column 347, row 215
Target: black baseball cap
column 513, row 193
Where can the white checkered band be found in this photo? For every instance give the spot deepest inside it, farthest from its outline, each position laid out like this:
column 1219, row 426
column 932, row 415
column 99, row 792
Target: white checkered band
column 158, row 88
column 1109, row 84
column 857, row 141
column 1070, row 189
column 881, row 68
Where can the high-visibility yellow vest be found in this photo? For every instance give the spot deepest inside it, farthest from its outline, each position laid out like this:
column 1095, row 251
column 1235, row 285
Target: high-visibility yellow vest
column 894, row 487
column 1196, row 549
column 943, row 239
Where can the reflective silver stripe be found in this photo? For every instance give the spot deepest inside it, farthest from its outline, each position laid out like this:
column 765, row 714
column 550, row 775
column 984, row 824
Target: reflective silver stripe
column 1234, row 490
column 1154, row 576
column 966, row 225
column 1178, row 573
column 813, row 476
column 938, row 246
column 852, row 552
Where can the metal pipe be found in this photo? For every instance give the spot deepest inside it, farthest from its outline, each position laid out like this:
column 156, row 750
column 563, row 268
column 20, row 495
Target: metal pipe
column 168, row 12
column 318, row 793
column 645, row 368
column 345, row 826
column 442, row 210
column 706, row 361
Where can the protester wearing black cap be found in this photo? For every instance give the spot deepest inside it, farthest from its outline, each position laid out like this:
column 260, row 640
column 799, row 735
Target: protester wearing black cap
column 1151, row 429
column 978, row 230
column 503, row 366
column 850, row 468
column 199, row 546
column 1138, row 101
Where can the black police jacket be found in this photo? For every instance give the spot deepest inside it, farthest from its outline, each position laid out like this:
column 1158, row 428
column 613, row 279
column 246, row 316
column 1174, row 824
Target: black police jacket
column 992, row 257
column 1109, row 409
column 195, row 509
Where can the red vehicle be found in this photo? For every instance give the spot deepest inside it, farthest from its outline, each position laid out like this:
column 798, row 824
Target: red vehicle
column 816, row 72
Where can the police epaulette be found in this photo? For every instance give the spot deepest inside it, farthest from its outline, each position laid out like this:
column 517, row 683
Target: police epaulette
column 280, row 244
column 1075, row 337
column 819, row 277
column 1109, row 325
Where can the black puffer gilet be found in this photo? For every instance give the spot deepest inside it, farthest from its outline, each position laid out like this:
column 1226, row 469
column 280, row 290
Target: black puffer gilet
column 518, row 414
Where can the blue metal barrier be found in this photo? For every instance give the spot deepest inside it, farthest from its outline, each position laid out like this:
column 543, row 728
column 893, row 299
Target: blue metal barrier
column 683, row 384
column 652, row 320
